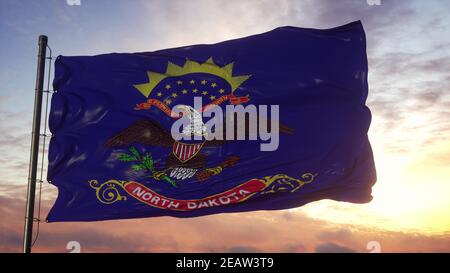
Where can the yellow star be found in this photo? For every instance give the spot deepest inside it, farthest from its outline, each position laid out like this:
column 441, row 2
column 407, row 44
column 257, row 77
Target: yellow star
column 184, row 91
column 174, row 95
column 212, row 97
column 191, row 67
column 159, row 94
column 194, row 90
column 179, row 82
column 204, row 82
column 168, row 101
column 205, row 92
column 168, row 86
column 221, row 91
column 192, row 82
column 213, row 84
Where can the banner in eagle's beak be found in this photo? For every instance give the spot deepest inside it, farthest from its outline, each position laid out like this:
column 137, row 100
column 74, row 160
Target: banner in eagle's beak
column 282, row 121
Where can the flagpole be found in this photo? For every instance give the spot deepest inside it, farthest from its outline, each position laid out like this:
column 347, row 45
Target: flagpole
column 32, row 169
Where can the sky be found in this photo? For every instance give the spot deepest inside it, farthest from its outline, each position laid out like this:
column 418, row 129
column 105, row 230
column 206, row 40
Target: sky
column 408, row 47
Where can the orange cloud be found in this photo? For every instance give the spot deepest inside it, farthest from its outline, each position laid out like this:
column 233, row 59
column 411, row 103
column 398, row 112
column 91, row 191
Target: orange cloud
column 274, row 231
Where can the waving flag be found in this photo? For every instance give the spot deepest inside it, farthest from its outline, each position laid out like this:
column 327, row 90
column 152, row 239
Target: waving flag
column 113, row 154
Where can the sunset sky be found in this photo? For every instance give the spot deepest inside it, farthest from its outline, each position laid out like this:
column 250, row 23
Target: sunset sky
column 408, row 47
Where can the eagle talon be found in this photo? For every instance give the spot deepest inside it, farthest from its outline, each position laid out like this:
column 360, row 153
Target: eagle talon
column 214, row 171
column 158, row 175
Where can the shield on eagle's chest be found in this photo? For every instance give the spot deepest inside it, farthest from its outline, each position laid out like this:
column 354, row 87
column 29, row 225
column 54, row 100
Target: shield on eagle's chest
column 184, row 151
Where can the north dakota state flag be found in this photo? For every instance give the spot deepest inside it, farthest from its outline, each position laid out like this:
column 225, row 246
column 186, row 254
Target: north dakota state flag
column 151, row 134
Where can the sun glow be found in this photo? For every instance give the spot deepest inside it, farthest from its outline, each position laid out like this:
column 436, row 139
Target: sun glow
column 411, row 194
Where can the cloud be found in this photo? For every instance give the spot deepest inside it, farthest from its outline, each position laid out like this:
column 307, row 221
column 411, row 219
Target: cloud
column 341, row 234
column 409, row 94
column 238, row 233
column 333, row 248
column 243, row 249
column 93, row 240
column 10, row 240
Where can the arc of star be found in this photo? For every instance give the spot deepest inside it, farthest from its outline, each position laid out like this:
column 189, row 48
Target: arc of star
column 221, row 91
column 174, row 95
column 212, row 97
column 159, row 94
column 179, row 82
column 213, row 84
column 205, row 92
column 168, row 86
column 190, row 67
column 184, row 91
column 194, row 90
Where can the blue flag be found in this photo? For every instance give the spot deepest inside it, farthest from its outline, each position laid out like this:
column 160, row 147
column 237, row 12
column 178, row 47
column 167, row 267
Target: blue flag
column 154, row 134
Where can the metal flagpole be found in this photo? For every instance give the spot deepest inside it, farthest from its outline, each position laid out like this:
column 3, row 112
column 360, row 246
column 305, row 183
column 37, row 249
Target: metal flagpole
column 29, row 212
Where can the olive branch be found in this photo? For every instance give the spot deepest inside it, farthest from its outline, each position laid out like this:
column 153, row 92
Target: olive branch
column 144, row 162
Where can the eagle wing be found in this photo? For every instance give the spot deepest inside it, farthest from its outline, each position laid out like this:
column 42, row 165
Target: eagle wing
column 147, row 132
column 215, row 142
